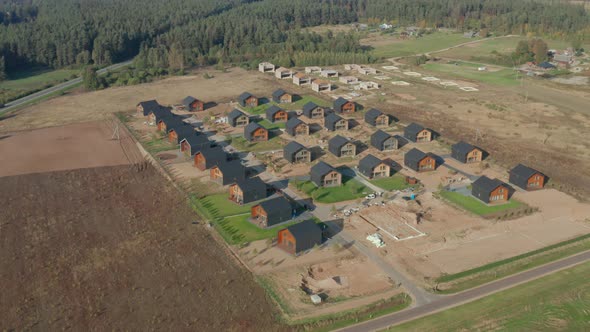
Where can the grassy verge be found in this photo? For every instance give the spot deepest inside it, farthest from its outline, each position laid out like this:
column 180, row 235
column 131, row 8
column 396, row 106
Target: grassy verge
column 219, row 206
column 473, row 205
column 32, row 81
column 480, row 275
column 242, row 145
column 395, row 182
column 350, row 189
column 158, row 142
column 557, row 302
column 271, row 126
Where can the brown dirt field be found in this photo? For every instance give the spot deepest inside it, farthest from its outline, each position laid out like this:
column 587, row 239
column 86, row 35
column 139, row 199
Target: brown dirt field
column 111, row 248
column 82, row 145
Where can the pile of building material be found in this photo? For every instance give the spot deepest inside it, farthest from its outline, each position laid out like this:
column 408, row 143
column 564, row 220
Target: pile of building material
column 376, row 239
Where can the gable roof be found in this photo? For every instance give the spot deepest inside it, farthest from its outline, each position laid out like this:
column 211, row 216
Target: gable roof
column 462, row 147
column 233, row 171
column 271, row 111
column 172, row 122
column 213, row 156
column 414, row 155
column 183, row 131
column 292, row 124
column 331, row 120
column 250, row 129
column 319, row 170
column 253, row 189
column 378, row 138
column 277, row 210
column 338, row 142
column 309, row 107
column 188, row 101
column 412, row 130
column 149, row 106
column 234, row 115
column 372, row 115
column 521, row 174
column 368, row 163
column 291, row 149
column 338, row 103
column 306, row 233
column 197, row 142
column 242, row 98
column 161, row 112
column 483, row 187
column 278, row 93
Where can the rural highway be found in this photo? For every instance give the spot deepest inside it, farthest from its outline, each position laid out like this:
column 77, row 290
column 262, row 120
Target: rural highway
column 62, row 86
column 449, row 301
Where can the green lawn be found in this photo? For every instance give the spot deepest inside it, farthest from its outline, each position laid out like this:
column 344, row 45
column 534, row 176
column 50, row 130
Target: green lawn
column 258, row 110
column 473, row 205
column 557, row 302
column 27, row 82
column 261, row 109
column 467, row 70
column 395, row 182
column 350, row 189
column 219, row 206
column 157, row 143
column 270, row 126
column 392, row 46
column 237, row 229
column 242, row 145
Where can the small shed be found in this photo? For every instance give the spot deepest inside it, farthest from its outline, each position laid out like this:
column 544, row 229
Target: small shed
column 466, row 153
column 376, row 118
column 373, row 167
column 247, row 99
column 417, row 133
column 342, row 105
column 271, row 212
column 489, row 190
column 296, row 153
column 247, row 191
column 324, row 175
column 300, row 237
column 193, row 104
column 228, row 172
column 295, row 127
column 334, row 122
column 420, row 161
column 383, row 141
column 237, row 118
column 341, row 147
column 527, row 178
column 254, row 132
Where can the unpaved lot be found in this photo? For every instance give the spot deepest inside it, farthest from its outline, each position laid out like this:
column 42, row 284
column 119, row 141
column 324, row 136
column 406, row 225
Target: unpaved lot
column 82, row 145
column 111, row 248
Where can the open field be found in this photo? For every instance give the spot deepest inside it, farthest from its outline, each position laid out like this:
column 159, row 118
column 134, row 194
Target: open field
column 473, row 205
column 557, row 302
column 392, row 46
column 82, row 145
column 111, row 248
column 26, row 82
column 466, row 70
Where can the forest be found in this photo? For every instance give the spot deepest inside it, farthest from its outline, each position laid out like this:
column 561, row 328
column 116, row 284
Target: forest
column 176, row 34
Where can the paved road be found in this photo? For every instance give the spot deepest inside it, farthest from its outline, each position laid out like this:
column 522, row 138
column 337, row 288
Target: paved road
column 450, row 301
column 62, row 86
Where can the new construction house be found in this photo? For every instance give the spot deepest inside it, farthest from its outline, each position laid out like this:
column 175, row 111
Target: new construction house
column 271, row 212
column 247, row 99
column 489, row 190
column 158, row 113
column 237, row 118
column 209, row 157
column 300, row 237
column 324, row 175
column 194, row 143
column 367, row 71
column 313, row 111
column 280, row 96
column 383, row 141
column 313, row 70
column 373, row 167
column 276, row 114
column 420, row 161
column 295, row 127
column 341, row 147
column 301, row 79
column 466, row 153
column 147, row 106
column 416, row 133
column 367, row 85
column 329, row 73
column 342, row 105
column 228, row 172
column 334, row 122
column 254, row 132
column 166, row 123
column 527, row 178
column 376, row 118
column 247, row 191
column 321, row 86
column 296, row 153
column 284, row 73
column 180, row 132
column 348, row 79
column 193, row 104
column 266, row 67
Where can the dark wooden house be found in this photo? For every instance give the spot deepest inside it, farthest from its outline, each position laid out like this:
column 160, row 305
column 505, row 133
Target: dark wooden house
column 466, row 153
column 271, row 212
column 209, row 157
column 193, row 104
column 416, row 133
column 254, row 132
column 374, row 168
column 237, row 118
column 276, row 114
column 376, row 118
column 334, row 122
column 342, row 105
column 527, row 178
column 383, row 141
column 296, row 127
column 281, row 96
column 490, row 190
column 194, row 143
column 158, row 114
column 228, row 172
column 177, row 133
column 247, row 99
column 296, row 153
column 324, row 175
column 313, row 111
column 247, row 191
column 341, row 147
column 167, row 123
column 145, row 107
column 300, row 237
column 420, row 161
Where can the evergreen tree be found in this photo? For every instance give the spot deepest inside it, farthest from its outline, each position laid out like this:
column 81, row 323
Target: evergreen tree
column 90, row 79
column 2, row 69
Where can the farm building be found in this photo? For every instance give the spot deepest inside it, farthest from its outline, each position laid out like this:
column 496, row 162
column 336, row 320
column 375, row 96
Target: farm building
column 329, row 73
column 420, row 161
column 342, row 105
column 324, row 175
column 382, row 141
column 373, row 167
column 296, row 153
column 367, row 85
column 300, row 237
column 247, row 190
column 527, row 178
column 271, row 212
column 247, row 99
column 321, row 85
column 194, row 143
column 341, row 147
column 193, row 104
column 237, row 118
column 489, row 190
column 313, row 70
column 169, row 122
column 284, row 73
column 209, row 157
column 178, row 133
column 296, row 127
column 301, row 79
column 280, row 96
column 313, row 111
column 254, row 132
column 466, row 153
column 348, row 79
column 416, row 133
column 376, row 118
column 147, row 106
column 159, row 113
column 266, row 67
column 276, row 114
column 335, row 122
column 228, row 172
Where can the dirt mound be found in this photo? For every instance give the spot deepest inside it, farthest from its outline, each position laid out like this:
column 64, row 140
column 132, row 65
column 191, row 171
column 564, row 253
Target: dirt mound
column 114, row 249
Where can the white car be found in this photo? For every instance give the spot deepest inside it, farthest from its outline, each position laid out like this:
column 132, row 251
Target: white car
column 370, row 196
